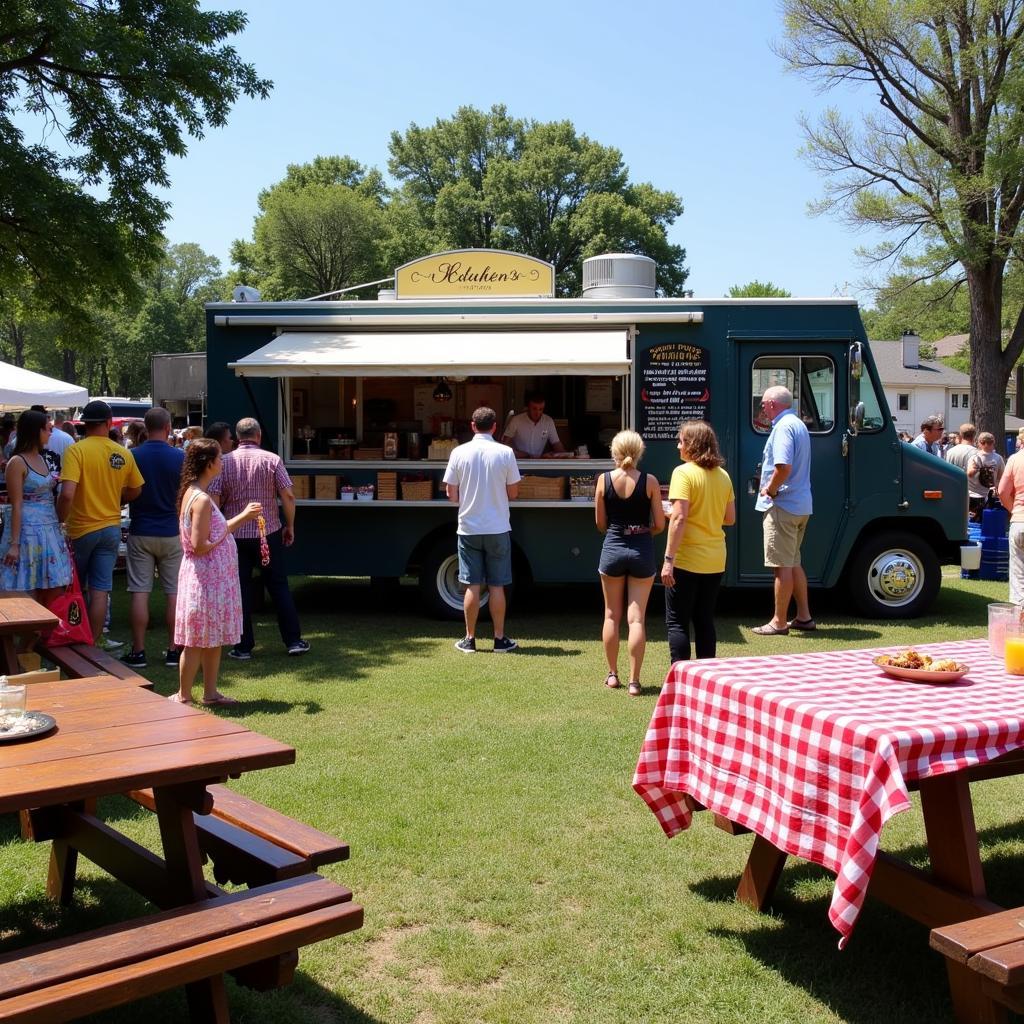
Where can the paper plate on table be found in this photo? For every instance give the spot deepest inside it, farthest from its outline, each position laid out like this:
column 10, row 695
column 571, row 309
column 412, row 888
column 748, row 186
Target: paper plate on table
column 923, row 675
column 26, row 727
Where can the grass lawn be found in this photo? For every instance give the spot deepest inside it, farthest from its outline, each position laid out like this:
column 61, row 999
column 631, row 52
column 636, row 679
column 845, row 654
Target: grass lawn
column 508, row 871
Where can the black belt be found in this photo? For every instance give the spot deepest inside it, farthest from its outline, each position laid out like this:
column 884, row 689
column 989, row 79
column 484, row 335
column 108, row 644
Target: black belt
column 632, row 531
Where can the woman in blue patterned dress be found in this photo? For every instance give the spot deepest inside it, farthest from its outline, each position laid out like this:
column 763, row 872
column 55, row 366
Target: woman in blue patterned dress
column 34, row 552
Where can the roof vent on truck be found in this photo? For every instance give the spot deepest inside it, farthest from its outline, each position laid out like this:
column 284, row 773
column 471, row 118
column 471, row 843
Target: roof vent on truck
column 619, row 275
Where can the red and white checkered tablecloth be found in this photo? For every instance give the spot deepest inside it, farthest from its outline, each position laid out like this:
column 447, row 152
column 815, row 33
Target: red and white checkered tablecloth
column 813, row 752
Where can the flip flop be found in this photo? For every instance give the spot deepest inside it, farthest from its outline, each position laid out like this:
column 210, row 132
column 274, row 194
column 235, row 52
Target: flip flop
column 634, row 689
column 804, row 625
column 220, row 701
column 769, row 630
column 178, row 699
column 612, row 681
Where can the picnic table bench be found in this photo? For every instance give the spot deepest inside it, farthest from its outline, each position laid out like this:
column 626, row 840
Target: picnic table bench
column 84, row 974
column 252, row 844
column 112, row 738
column 80, row 660
column 991, row 948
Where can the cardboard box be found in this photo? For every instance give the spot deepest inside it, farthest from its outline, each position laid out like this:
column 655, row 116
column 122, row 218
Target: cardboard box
column 30, row 661
column 301, row 486
column 326, row 487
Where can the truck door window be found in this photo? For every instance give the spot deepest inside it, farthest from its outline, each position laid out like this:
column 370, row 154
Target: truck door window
column 863, row 390
column 810, row 379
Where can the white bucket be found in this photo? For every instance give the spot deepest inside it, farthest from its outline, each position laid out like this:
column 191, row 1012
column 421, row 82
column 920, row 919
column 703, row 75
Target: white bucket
column 970, row 556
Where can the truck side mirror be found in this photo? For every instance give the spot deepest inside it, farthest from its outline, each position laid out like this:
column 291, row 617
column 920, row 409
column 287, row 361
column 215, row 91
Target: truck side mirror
column 857, row 419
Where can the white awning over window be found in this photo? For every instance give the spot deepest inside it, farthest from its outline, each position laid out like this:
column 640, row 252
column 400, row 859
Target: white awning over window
column 456, row 353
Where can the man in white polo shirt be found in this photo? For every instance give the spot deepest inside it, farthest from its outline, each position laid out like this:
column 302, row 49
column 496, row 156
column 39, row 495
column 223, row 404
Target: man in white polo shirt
column 532, row 434
column 481, row 478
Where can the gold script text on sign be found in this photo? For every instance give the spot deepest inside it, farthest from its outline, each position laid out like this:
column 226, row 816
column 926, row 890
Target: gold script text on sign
column 475, row 272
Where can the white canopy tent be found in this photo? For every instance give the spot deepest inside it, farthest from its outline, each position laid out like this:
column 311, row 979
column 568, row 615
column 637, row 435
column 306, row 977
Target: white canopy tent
column 21, row 388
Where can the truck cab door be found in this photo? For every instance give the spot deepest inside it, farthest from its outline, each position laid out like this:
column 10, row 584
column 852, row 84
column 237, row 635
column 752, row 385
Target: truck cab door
column 812, row 371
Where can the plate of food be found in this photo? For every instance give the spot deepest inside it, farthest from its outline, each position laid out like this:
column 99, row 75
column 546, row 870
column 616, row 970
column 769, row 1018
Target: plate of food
column 915, row 667
column 25, row 726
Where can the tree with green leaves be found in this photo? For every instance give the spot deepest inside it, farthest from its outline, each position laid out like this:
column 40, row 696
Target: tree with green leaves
column 319, row 229
column 758, row 290
column 488, row 180
column 120, row 86
column 939, row 166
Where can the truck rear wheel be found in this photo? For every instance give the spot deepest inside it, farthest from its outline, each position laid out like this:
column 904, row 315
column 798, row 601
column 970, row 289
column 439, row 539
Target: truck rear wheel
column 440, row 589
column 894, row 576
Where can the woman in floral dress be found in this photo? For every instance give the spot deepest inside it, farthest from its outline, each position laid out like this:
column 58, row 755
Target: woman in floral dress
column 34, row 553
column 209, row 609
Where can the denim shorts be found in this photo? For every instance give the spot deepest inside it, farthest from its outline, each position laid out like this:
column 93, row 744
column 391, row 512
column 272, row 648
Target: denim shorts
column 627, row 554
column 485, row 558
column 95, row 557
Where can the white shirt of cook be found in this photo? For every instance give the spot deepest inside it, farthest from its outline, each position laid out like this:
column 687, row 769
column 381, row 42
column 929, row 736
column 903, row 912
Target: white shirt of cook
column 481, row 470
column 532, row 438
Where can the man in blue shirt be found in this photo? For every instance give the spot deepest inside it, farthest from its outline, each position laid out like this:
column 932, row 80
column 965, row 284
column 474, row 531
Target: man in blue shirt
column 153, row 544
column 785, row 500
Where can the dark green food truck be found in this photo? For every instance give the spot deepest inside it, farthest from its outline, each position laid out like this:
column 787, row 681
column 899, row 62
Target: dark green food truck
column 365, row 400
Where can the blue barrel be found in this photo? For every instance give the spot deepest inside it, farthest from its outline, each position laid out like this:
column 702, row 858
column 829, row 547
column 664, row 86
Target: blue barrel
column 995, row 522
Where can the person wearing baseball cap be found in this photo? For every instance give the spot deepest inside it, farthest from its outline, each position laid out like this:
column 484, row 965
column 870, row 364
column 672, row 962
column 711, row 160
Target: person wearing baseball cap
column 97, row 478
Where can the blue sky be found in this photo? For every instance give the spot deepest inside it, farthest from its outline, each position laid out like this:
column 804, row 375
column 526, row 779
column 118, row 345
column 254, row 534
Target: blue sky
column 690, row 93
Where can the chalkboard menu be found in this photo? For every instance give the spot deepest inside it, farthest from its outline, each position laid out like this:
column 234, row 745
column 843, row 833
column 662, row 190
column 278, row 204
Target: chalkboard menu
column 674, row 382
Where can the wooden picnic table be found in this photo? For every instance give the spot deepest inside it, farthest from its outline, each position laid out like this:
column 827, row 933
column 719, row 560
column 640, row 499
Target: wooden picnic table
column 19, row 614
column 814, row 752
column 113, row 737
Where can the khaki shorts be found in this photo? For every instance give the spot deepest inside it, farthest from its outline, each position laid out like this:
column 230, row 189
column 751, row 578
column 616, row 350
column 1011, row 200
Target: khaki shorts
column 149, row 554
column 783, row 535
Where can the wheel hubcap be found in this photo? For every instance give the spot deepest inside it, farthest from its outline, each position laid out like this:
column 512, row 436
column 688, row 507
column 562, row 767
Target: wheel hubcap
column 895, row 577
column 449, row 587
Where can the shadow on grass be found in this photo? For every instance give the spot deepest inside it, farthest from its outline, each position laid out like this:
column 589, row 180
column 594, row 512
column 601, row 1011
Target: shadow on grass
column 796, row 940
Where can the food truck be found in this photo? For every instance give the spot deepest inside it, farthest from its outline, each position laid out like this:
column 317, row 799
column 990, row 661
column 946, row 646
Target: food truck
column 365, row 399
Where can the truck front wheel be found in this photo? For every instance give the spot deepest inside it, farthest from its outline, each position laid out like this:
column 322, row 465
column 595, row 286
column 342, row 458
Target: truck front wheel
column 894, row 576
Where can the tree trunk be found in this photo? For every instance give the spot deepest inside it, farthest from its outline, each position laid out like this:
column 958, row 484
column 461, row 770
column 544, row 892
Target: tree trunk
column 69, row 369
column 988, row 375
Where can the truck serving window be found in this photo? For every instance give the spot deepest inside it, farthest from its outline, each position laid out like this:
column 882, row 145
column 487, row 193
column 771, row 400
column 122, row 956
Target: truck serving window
column 812, row 381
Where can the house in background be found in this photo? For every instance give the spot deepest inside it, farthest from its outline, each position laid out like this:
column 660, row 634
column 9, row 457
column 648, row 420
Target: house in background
column 917, row 388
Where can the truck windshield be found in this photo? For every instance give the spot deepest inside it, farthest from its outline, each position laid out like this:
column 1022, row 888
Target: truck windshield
column 810, row 379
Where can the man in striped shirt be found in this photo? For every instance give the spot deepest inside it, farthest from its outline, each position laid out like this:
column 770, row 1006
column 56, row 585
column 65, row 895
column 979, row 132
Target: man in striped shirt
column 251, row 474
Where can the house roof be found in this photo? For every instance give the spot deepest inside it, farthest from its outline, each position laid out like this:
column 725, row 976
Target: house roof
column 891, row 371
column 950, row 345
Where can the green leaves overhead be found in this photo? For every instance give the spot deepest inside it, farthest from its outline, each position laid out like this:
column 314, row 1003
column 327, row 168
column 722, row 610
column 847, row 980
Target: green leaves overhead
column 109, row 90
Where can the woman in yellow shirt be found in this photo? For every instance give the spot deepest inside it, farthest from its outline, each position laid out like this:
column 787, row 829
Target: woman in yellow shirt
column 702, row 503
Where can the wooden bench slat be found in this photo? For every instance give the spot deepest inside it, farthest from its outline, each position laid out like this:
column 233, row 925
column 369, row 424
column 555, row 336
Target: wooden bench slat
column 317, row 847
column 70, row 662
column 1003, row 964
column 109, row 664
column 113, row 987
column 121, row 945
column 242, row 858
column 963, row 940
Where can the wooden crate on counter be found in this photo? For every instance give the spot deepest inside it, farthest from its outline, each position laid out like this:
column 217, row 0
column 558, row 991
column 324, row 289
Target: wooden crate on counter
column 301, row 486
column 542, row 488
column 326, row 488
column 387, row 486
column 368, row 454
column 417, row 490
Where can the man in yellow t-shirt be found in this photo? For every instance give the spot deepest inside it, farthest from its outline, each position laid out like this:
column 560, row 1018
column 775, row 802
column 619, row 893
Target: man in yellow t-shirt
column 97, row 478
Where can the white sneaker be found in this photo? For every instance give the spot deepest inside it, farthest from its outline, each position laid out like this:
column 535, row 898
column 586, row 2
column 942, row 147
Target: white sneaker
column 105, row 643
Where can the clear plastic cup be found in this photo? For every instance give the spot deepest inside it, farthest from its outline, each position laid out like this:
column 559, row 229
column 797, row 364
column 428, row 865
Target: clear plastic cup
column 999, row 614
column 1014, row 649
column 12, row 701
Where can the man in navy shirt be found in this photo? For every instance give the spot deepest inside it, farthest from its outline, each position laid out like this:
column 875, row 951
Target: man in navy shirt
column 153, row 544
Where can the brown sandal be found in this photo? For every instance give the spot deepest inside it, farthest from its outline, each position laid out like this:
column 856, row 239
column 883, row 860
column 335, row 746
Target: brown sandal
column 612, row 681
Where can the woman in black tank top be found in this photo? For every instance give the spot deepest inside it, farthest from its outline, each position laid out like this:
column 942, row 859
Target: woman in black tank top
column 629, row 513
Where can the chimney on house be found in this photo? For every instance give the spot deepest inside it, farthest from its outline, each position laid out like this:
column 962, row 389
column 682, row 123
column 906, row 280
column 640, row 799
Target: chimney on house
column 911, row 350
